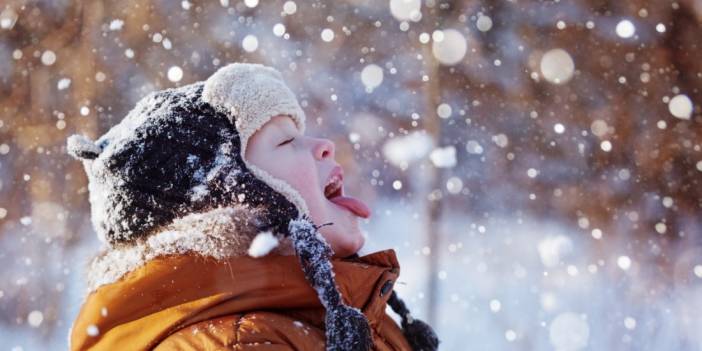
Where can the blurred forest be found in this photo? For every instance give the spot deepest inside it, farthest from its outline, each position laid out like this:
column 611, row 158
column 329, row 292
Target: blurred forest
column 584, row 113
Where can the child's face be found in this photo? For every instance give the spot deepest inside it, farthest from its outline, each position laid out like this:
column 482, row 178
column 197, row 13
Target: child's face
column 306, row 164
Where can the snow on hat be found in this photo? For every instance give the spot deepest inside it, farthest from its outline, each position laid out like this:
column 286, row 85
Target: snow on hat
column 177, row 152
column 181, row 151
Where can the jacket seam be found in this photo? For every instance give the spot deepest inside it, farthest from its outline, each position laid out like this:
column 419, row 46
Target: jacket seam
column 237, row 333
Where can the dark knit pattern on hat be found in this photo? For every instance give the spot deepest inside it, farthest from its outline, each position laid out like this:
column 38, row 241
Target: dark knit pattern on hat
column 182, row 156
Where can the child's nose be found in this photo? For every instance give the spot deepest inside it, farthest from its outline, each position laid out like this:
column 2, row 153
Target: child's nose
column 324, row 148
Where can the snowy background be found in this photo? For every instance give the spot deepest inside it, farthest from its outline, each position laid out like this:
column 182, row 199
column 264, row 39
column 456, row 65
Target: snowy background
column 537, row 165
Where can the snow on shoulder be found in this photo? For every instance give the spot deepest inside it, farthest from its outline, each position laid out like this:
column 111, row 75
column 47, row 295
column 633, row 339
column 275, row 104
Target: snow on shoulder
column 262, row 244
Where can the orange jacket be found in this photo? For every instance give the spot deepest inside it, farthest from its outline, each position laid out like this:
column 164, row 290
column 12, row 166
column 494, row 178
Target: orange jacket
column 190, row 302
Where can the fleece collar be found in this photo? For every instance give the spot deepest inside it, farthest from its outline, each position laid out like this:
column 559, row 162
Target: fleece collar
column 218, row 233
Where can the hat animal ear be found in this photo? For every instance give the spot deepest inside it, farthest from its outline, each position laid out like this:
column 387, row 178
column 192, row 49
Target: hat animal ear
column 82, row 148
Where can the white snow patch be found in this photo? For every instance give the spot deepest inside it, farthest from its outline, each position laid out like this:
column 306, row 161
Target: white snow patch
column 175, row 74
column 92, row 330
column 371, row 76
column 483, row 23
column 63, row 83
column 452, row 47
column 262, row 244
column 404, row 10
column 553, row 249
column 474, row 147
column 48, row 58
column 557, row 66
column 116, row 24
column 250, row 43
column 401, row 151
column 198, row 192
column 35, row 318
column 444, row 157
column 625, row 29
column 568, row 331
column 680, row 106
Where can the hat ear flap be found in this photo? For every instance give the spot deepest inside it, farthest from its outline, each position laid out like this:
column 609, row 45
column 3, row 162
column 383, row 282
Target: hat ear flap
column 346, row 326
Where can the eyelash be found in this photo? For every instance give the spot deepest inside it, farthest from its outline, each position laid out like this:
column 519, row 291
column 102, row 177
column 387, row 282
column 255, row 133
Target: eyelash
column 287, row 141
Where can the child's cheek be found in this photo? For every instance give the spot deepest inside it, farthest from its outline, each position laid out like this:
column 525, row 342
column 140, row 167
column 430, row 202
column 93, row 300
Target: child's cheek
column 299, row 177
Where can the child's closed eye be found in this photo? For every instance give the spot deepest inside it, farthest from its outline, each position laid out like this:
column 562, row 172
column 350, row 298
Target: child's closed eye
column 287, row 141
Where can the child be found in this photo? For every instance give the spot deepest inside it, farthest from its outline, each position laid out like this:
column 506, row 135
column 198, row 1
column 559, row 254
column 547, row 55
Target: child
column 207, row 197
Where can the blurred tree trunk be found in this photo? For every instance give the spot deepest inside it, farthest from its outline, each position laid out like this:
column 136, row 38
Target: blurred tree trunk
column 433, row 175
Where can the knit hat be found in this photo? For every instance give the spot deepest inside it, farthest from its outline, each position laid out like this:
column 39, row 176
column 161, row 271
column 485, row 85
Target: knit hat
column 181, row 151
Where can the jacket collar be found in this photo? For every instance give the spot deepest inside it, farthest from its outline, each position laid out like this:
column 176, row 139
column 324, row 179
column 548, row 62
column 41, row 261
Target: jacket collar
column 198, row 267
column 170, row 292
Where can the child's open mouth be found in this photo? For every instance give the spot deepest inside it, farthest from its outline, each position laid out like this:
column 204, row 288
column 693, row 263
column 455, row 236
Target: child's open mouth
column 334, row 192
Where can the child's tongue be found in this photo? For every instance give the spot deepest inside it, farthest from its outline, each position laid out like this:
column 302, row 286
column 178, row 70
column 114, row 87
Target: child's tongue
column 354, row 205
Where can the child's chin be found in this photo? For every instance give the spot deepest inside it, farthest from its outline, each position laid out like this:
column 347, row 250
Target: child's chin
column 357, row 244
column 349, row 249
column 351, row 241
